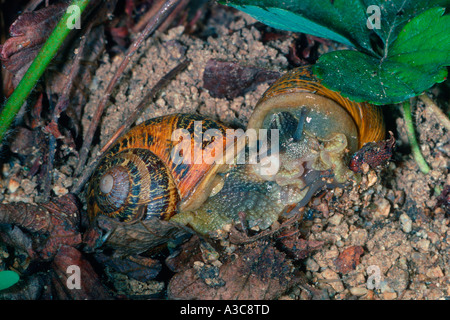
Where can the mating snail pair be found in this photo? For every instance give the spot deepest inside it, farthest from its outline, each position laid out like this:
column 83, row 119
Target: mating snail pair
column 139, row 183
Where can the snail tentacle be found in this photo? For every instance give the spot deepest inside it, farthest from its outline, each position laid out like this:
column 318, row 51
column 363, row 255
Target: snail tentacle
column 301, row 122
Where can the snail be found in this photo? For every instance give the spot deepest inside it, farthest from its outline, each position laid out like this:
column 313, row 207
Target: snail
column 178, row 168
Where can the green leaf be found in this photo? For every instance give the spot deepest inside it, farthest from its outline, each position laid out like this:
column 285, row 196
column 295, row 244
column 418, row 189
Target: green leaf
column 8, row 279
column 412, row 64
column 343, row 21
column 395, row 14
column 413, row 53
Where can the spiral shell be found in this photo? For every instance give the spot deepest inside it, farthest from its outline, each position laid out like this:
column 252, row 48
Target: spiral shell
column 138, row 178
column 133, row 183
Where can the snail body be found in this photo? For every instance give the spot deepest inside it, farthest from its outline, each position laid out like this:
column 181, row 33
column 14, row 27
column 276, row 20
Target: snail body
column 315, row 128
column 318, row 129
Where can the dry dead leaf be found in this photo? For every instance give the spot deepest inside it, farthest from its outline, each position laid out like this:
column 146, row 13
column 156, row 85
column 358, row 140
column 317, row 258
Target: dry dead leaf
column 349, row 259
column 300, row 248
column 65, row 285
column 185, row 256
column 229, row 79
column 50, row 225
column 257, row 271
column 28, row 33
column 137, row 267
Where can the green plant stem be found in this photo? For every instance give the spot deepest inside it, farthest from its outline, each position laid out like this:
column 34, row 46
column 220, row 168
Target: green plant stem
column 37, row 68
column 423, row 166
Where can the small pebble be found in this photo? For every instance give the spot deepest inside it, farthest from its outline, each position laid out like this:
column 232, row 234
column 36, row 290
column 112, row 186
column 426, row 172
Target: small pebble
column 336, row 219
column 13, row 185
column 389, row 295
column 312, row 265
column 423, row 245
column 406, row 223
column 371, row 178
column 435, row 273
column 358, row 291
column 60, row 191
column 384, row 207
column 333, row 280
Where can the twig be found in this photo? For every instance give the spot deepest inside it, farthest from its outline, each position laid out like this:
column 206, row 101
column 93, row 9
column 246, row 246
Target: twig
column 440, row 115
column 37, row 68
column 143, row 21
column 61, row 105
column 152, row 25
column 149, row 14
column 63, row 99
column 48, row 167
column 423, row 166
column 32, row 5
column 128, row 122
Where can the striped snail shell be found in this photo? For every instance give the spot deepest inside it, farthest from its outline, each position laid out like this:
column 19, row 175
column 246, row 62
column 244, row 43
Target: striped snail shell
column 138, row 178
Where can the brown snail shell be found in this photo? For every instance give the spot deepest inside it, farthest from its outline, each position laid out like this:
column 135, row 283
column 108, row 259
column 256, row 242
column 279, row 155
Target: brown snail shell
column 138, row 177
